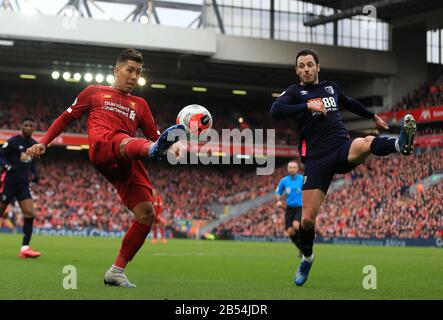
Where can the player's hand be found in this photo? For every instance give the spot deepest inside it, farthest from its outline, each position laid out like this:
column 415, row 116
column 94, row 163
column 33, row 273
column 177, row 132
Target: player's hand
column 178, row 149
column 379, row 122
column 317, row 105
column 279, row 204
column 36, row 150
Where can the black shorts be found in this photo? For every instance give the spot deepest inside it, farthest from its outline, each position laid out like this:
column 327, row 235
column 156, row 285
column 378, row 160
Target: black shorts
column 10, row 189
column 292, row 214
column 319, row 172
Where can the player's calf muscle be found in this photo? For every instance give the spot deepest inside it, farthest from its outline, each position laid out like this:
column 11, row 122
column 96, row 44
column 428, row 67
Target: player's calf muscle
column 360, row 149
column 122, row 147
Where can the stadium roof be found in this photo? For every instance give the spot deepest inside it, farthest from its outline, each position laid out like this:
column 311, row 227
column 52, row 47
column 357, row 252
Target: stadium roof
column 42, row 58
column 386, row 9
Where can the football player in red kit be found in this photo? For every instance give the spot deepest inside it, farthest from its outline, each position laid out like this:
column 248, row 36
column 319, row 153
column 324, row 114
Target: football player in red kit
column 114, row 115
column 159, row 220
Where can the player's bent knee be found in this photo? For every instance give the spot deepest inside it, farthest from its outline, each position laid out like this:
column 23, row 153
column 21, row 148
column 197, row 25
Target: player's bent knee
column 290, row 231
column 296, row 226
column 144, row 213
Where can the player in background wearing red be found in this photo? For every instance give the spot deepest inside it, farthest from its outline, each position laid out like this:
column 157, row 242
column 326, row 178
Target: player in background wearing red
column 159, row 220
column 114, row 115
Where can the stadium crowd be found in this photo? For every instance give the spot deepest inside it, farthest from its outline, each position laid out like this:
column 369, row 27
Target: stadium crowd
column 72, row 194
column 374, row 200
column 428, row 94
column 45, row 107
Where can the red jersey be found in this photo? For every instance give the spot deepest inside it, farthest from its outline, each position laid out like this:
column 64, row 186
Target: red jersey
column 110, row 111
column 158, row 204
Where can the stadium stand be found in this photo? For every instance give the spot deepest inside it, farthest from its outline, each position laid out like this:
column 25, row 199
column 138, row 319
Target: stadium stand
column 71, row 194
column 427, row 95
column 372, row 204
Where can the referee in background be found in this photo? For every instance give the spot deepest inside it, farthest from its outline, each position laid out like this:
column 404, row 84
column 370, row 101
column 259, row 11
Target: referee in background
column 292, row 186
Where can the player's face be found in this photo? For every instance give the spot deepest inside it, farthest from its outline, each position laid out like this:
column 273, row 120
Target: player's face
column 27, row 128
column 126, row 75
column 307, row 69
column 292, row 168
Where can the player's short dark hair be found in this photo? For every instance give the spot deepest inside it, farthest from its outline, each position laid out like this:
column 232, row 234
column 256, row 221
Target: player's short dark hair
column 307, row 52
column 27, row 118
column 130, row 54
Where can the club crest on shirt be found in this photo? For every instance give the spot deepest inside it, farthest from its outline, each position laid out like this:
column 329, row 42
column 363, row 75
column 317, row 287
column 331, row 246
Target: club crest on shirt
column 132, row 104
column 132, row 115
column 329, row 89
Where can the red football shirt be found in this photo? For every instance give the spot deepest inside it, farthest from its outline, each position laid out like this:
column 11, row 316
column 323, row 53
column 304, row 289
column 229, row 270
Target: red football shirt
column 158, row 205
column 110, row 110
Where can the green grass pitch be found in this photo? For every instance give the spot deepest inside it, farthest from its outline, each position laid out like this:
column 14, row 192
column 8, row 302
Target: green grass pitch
column 189, row 269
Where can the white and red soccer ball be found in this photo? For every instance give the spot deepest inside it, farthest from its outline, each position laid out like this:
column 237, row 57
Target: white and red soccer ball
column 195, row 118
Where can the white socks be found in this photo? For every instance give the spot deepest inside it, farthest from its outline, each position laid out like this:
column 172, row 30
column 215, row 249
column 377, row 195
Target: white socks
column 23, row 248
column 117, row 269
column 397, row 147
column 308, row 259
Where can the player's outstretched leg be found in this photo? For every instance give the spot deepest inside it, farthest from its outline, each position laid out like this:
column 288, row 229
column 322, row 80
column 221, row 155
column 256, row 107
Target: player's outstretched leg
column 158, row 149
column 407, row 133
column 382, row 146
column 361, row 148
column 126, row 147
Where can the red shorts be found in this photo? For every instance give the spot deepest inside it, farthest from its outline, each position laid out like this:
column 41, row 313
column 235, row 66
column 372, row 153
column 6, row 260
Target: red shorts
column 128, row 176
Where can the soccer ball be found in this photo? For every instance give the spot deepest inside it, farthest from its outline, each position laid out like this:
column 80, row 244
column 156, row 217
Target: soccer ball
column 195, row 118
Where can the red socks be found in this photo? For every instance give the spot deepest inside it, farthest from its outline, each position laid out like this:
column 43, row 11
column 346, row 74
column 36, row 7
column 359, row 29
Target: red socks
column 137, row 148
column 132, row 242
column 154, row 231
column 162, row 231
